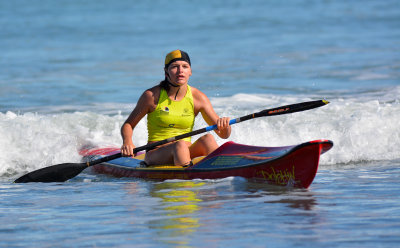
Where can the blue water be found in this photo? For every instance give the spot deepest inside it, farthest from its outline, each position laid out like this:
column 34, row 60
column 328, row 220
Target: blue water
column 71, row 72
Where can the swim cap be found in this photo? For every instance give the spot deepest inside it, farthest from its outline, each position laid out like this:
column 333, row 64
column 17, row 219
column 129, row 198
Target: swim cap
column 176, row 56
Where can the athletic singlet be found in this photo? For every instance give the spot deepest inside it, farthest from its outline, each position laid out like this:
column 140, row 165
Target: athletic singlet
column 171, row 118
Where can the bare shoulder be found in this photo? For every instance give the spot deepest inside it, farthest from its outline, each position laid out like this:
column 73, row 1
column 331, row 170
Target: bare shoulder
column 200, row 100
column 198, row 95
column 151, row 93
column 150, row 97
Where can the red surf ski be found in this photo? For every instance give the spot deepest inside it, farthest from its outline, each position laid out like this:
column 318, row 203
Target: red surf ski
column 294, row 165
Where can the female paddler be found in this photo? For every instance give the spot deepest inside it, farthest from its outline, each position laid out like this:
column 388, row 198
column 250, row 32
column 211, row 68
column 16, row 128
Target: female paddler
column 171, row 108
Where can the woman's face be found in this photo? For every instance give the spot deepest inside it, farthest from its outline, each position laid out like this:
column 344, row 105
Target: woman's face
column 179, row 72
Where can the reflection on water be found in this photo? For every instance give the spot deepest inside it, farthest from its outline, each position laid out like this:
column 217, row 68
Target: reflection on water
column 180, row 202
column 180, row 211
column 295, row 198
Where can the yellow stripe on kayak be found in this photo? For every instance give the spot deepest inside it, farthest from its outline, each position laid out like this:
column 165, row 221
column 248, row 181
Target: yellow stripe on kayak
column 165, row 166
column 161, row 167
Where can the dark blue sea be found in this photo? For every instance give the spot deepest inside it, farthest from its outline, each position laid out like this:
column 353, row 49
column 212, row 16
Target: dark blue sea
column 71, row 71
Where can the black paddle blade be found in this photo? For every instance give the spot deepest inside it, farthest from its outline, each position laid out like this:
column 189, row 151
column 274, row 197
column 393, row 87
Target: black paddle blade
column 54, row 173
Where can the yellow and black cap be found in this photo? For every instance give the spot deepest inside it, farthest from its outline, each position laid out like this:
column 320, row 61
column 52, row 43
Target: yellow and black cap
column 176, row 56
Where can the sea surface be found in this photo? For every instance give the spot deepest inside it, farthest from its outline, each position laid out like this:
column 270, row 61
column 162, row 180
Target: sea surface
column 71, row 71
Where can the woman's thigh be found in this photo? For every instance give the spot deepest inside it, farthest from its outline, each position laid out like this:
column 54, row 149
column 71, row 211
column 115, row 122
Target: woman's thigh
column 163, row 154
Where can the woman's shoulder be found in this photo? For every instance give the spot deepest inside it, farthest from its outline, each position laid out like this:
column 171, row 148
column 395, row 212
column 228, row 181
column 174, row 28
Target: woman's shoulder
column 197, row 94
column 150, row 96
column 152, row 92
column 200, row 100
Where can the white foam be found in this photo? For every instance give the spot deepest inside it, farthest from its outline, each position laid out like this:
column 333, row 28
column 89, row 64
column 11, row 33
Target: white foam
column 370, row 76
column 363, row 129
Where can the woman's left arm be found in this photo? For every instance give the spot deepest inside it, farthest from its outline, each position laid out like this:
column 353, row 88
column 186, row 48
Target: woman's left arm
column 203, row 105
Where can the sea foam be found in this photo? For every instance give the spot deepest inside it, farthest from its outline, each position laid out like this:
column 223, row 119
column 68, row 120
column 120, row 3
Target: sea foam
column 362, row 129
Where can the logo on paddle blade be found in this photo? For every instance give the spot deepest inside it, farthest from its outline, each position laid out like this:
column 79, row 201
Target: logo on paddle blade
column 278, row 111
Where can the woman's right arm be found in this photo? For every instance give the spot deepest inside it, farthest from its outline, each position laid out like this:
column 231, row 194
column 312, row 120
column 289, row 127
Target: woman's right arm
column 144, row 106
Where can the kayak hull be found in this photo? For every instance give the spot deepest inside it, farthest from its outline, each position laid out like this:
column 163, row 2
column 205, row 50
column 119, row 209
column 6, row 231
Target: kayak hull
column 294, row 166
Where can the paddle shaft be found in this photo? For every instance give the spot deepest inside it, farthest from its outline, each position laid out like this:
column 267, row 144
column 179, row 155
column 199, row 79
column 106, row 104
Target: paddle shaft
column 292, row 108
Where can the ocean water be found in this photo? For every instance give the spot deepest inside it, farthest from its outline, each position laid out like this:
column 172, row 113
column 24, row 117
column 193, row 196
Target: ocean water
column 71, row 72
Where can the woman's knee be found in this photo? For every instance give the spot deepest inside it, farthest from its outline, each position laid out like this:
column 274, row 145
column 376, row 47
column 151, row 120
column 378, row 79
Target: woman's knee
column 180, row 144
column 207, row 139
column 204, row 145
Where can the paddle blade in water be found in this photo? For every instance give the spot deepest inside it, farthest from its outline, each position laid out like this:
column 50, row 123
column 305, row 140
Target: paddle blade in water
column 55, row 173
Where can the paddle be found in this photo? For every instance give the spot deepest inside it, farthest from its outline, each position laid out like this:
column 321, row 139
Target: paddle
column 66, row 171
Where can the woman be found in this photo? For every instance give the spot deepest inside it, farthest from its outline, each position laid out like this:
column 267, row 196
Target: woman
column 171, row 108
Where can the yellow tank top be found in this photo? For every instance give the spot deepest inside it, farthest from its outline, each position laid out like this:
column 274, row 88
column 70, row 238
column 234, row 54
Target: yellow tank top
column 171, row 118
